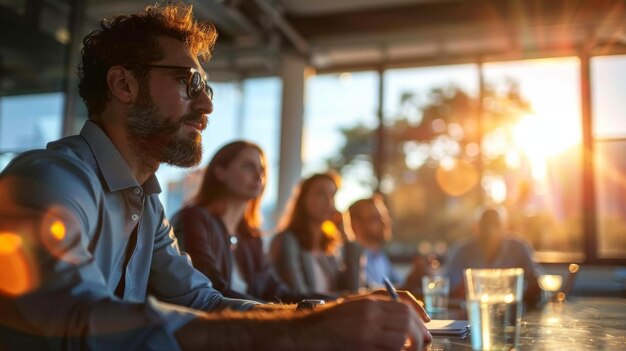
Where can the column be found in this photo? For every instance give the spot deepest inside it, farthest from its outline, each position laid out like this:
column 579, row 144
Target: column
column 292, row 113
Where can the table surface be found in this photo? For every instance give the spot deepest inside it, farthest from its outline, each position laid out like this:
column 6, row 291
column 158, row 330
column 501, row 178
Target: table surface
column 587, row 323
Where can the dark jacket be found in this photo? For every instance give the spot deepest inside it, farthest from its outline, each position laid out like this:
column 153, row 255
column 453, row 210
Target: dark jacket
column 205, row 238
column 294, row 265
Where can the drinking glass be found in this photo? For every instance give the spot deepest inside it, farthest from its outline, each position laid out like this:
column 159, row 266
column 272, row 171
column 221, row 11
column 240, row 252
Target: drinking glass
column 435, row 290
column 494, row 307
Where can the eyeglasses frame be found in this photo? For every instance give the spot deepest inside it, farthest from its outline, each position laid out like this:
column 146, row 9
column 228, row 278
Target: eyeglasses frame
column 194, row 73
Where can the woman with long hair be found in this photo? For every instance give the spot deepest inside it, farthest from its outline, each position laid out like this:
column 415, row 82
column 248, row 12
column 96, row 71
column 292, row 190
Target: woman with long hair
column 303, row 253
column 220, row 227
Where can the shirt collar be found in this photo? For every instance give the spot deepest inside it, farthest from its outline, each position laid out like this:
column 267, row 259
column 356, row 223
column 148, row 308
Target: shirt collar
column 114, row 168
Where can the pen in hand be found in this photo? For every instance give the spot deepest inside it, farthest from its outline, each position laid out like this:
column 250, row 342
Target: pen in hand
column 390, row 289
column 394, row 295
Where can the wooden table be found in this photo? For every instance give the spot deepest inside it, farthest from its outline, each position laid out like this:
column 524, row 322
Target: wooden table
column 587, row 323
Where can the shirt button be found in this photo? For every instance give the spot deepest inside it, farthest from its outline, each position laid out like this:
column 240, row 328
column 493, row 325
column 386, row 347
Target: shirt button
column 137, row 191
column 134, row 217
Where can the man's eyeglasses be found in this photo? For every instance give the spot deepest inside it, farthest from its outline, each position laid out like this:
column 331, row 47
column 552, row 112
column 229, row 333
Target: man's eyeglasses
column 195, row 83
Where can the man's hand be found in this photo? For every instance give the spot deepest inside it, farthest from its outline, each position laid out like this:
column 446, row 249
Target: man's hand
column 408, row 298
column 370, row 322
column 417, row 305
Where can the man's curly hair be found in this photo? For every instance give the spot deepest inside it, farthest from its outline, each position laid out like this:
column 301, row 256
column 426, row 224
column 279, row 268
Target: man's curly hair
column 131, row 42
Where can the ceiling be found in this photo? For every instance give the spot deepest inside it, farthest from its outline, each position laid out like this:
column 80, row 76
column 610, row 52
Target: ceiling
column 335, row 35
column 338, row 35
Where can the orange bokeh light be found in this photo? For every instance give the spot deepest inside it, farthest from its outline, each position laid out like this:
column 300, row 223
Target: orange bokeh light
column 15, row 275
column 57, row 229
column 458, row 178
column 57, row 232
column 330, row 228
column 9, row 243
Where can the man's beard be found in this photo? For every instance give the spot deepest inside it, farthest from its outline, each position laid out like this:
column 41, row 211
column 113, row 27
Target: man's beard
column 153, row 136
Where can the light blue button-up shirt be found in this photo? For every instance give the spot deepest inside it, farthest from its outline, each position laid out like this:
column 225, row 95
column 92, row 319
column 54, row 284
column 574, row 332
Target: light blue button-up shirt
column 84, row 181
column 467, row 253
column 377, row 268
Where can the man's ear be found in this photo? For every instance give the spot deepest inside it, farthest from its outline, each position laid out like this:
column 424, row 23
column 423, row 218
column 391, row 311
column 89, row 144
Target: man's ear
column 122, row 84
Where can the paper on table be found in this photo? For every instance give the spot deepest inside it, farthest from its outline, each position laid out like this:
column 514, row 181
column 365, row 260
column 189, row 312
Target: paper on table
column 448, row 326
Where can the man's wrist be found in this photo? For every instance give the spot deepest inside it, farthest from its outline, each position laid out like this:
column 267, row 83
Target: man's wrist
column 309, row 304
column 269, row 307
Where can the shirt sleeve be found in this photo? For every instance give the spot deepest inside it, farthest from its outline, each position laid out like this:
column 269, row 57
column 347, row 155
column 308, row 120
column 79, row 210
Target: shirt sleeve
column 57, row 293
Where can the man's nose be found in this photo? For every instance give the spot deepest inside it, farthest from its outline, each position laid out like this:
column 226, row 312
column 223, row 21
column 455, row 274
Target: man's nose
column 203, row 103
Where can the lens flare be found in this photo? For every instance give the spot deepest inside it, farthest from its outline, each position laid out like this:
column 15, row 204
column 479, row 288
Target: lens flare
column 57, row 229
column 560, row 297
column 15, row 275
column 457, row 178
column 9, row 243
column 330, row 228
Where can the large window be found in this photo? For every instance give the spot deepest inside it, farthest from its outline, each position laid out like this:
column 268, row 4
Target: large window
column 29, row 122
column 340, row 115
column 609, row 146
column 430, row 131
column 261, row 124
column 445, row 152
column 31, row 74
column 532, row 154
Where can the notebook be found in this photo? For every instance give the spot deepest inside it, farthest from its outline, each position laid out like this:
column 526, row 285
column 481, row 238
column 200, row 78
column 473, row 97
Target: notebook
column 448, row 327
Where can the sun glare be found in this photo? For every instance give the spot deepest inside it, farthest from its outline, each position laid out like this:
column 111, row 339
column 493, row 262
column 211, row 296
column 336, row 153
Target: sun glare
column 543, row 137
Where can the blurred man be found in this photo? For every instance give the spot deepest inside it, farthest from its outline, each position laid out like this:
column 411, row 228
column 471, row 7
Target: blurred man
column 371, row 226
column 492, row 247
column 88, row 257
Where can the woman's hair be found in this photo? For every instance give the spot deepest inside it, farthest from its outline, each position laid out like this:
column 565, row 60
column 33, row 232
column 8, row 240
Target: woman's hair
column 296, row 218
column 131, row 42
column 213, row 192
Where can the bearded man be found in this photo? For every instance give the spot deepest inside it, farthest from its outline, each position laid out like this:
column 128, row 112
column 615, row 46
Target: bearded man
column 89, row 260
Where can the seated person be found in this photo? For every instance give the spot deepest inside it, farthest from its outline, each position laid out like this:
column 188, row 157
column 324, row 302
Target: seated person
column 220, row 229
column 303, row 253
column 371, row 226
column 88, row 256
column 492, row 247
column 421, row 266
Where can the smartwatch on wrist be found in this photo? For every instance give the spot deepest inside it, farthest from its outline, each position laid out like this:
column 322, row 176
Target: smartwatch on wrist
column 309, row 304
